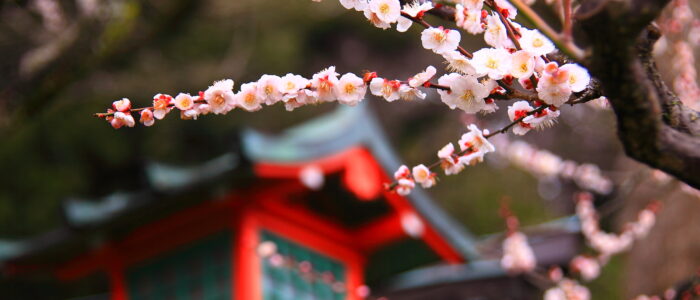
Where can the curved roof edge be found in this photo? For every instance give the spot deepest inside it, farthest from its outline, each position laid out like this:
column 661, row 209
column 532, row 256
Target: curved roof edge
column 343, row 128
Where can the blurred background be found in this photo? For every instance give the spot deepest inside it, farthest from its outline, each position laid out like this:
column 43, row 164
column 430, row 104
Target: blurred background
column 62, row 61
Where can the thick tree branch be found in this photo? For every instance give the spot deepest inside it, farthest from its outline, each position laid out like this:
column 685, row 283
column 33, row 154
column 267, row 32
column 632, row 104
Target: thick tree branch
column 653, row 125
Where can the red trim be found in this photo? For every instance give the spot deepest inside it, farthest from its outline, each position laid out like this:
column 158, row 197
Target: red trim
column 115, row 272
column 290, row 229
column 152, row 239
column 362, row 175
column 246, row 264
column 380, row 232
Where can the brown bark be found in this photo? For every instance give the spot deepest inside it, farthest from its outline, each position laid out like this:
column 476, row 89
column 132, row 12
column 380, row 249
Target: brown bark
column 654, row 127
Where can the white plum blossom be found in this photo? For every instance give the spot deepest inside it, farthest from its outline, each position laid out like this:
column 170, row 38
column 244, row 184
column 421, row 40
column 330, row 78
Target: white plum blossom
column 469, row 19
column 415, row 9
column 567, row 289
column 358, row 5
column 350, row 89
column 553, row 87
column 516, row 111
column 543, row 119
column 402, row 172
column 407, row 92
column 422, row 175
column 123, row 119
column 587, row 266
column 510, row 10
column 184, row 101
column 466, row 93
column 458, row 62
column 387, row 11
column 122, row 105
column 474, row 145
column 535, row 42
column 496, row 35
column 422, row 77
column 522, row 64
column 147, row 117
column 161, row 105
column 248, row 98
column 405, row 186
column 268, row 89
column 449, row 162
column 518, row 257
column 494, row 62
column 389, row 89
column 474, row 5
column 220, row 97
column 291, row 84
column 440, row 40
column 324, row 83
column 374, row 19
column 578, row 77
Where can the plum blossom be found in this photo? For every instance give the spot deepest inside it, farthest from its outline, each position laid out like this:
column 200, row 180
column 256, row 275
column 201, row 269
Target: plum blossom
column 324, row 83
column 440, row 40
column 469, row 19
column 268, row 89
column 247, row 98
column 522, row 64
column 510, row 11
column 374, row 19
column 423, row 175
column 407, row 92
column 389, row 89
column 518, row 257
column 358, row 5
column 147, row 117
column 535, row 42
column 422, row 77
column 122, row 119
column 519, row 110
column 496, row 35
column 220, row 97
column 543, row 119
column 567, row 289
column 578, row 77
column 450, row 162
column 493, row 62
column 184, row 101
column 405, row 186
column 122, row 105
column 474, row 5
column 553, row 87
column 458, row 62
column 387, row 11
column 587, row 266
column 161, row 105
column 350, row 89
column 415, row 9
column 466, row 92
column 474, row 146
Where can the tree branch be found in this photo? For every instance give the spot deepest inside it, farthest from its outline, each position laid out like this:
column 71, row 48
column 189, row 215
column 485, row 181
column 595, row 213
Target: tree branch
column 653, row 125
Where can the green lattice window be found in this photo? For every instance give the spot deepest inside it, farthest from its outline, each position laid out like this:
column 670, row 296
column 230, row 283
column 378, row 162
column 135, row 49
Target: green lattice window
column 201, row 270
column 287, row 282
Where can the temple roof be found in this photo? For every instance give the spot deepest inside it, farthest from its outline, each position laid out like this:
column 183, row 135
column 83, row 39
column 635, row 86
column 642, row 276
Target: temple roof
column 346, row 127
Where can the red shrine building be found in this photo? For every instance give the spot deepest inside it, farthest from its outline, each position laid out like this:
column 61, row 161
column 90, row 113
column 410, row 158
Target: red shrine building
column 301, row 215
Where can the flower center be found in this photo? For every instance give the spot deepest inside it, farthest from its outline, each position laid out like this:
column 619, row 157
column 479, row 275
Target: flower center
column 290, row 85
column 249, row 99
column 349, row 88
column 219, row 99
column 523, row 67
column 492, row 63
column 268, row 90
column 384, row 8
column 468, row 96
column 537, row 43
column 439, row 36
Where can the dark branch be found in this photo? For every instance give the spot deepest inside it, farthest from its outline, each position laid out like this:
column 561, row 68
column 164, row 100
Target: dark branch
column 653, row 125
